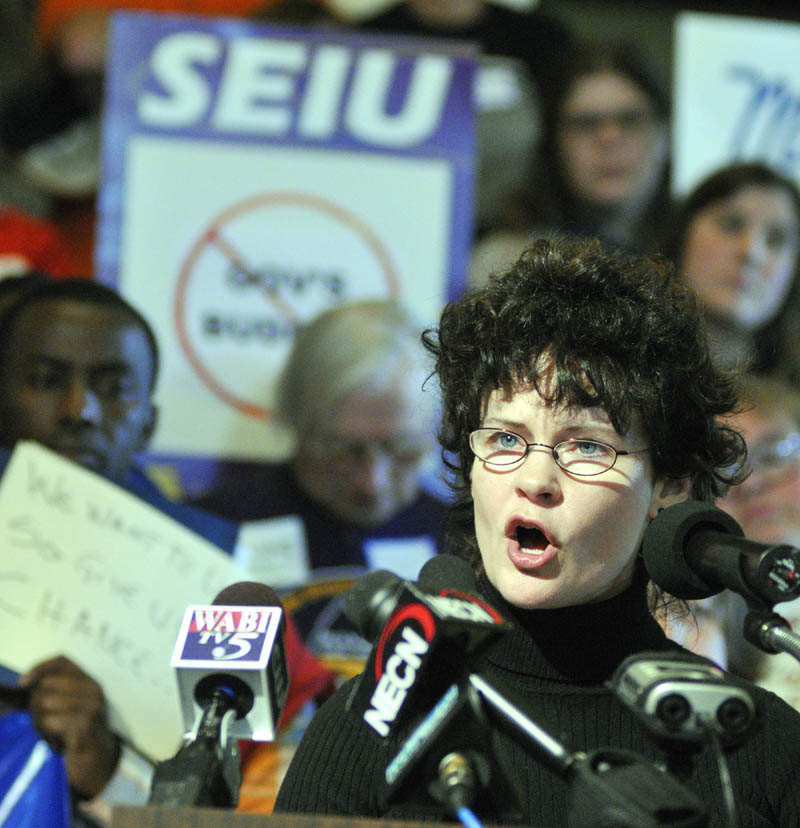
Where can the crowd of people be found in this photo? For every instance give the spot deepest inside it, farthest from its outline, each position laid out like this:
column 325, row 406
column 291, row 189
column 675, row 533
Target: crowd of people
column 617, row 351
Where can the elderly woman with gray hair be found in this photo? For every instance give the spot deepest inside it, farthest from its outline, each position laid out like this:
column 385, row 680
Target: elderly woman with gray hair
column 351, row 493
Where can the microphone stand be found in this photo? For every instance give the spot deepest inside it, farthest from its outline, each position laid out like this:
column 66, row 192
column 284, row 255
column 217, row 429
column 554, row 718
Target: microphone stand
column 609, row 787
column 770, row 632
column 205, row 772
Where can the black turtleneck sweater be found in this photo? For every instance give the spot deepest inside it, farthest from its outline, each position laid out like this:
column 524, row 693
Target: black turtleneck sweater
column 554, row 665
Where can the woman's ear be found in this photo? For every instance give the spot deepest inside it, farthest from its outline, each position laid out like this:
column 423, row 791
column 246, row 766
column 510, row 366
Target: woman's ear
column 669, row 491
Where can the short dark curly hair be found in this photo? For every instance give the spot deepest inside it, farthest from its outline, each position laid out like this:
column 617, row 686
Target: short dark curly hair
column 617, row 331
column 35, row 288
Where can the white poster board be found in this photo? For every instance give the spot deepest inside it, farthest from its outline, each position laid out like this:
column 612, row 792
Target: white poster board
column 93, row 572
column 736, row 93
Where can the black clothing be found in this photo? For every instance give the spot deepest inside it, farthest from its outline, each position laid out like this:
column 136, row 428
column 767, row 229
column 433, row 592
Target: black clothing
column 541, row 41
column 255, row 491
column 337, row 553
column 555, row 663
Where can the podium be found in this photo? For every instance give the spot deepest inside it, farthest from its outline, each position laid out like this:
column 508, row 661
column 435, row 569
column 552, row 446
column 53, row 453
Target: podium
column 156, row 816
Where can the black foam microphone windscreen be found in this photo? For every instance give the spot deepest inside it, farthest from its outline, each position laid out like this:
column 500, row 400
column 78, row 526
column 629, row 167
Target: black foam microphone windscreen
column 667, row 540
column 447, row 572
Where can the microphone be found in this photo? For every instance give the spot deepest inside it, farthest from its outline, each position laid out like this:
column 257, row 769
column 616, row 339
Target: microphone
column 371, row 600
column 416, row 633
column 682, row 698
column 686, row 701
column 444, row 574
column 447, row 755
column 232, row 677
column 694, row 549
column 449, row 758
column 235, row 649
column 374, row 597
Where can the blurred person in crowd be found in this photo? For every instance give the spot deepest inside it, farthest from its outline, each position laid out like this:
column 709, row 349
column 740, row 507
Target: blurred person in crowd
column 767, row 507
column 523, row 53
column 737, row 244
column 601, row 168
column 767, row 504
column 78, row 368
column 352, row 394
column 51, row 121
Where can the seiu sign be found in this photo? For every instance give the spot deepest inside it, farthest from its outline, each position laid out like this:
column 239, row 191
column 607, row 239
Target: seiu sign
column 308, row 90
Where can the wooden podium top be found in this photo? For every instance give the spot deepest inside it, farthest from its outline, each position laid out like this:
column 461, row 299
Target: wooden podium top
column 158, row 816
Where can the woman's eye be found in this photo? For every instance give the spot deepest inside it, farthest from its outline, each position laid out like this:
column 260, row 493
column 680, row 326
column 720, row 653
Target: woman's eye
column 506, row 440
column 588, row 448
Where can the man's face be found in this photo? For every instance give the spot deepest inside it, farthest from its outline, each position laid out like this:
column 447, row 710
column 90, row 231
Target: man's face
column 77, row 379
column 363, row 464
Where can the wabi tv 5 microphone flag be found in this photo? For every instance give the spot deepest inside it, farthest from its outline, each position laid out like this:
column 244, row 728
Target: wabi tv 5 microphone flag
column 234, row 646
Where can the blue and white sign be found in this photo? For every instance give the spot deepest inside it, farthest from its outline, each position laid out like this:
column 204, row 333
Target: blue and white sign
column 254, row 176
column 737, row 95
column 210, row 635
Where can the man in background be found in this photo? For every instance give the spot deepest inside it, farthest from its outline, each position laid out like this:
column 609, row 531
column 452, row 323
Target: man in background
column 78, row 369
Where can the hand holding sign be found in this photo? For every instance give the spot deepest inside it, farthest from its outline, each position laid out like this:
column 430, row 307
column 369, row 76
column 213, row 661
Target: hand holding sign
column 96, row 574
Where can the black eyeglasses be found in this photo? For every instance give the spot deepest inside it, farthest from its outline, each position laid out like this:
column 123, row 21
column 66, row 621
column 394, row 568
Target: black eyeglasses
column 585, row 458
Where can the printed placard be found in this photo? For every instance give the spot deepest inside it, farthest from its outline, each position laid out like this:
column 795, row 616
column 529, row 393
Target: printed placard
column 256, row 175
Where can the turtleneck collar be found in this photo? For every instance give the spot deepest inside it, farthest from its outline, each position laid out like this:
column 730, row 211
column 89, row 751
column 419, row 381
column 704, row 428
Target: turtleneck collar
column 577, row 645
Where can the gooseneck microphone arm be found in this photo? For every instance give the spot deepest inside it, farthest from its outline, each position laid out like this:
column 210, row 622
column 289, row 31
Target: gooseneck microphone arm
column 608, row 787
column 554, row 755
column 448, row 755
column 770, row 632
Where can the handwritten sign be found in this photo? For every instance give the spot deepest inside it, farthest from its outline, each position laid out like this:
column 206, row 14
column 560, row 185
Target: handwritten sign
column 254, row 176
column 91, row 571
column 737, row 95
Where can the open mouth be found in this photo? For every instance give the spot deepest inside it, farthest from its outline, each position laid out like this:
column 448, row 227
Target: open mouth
column 531, row 539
